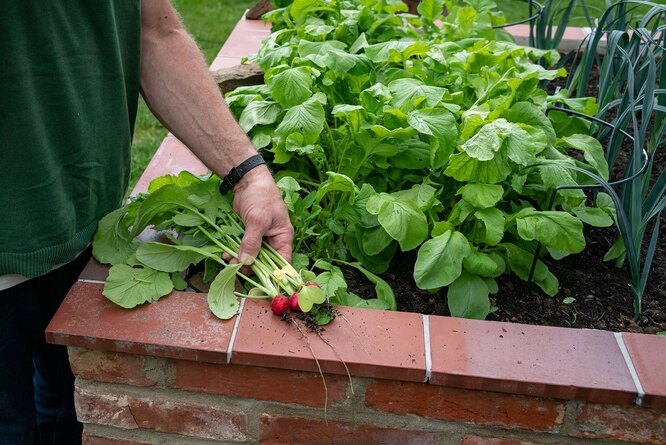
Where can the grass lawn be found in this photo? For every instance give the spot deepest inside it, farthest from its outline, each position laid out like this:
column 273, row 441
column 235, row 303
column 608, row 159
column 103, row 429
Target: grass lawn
column 211, row 22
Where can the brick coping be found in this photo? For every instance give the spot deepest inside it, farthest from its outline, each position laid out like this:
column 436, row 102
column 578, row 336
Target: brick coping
column 563, row 363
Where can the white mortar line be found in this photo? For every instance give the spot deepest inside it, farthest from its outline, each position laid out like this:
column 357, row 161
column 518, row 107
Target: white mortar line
column 80, row 280
column 630, row 364
column 426, row 341
column 232, row 340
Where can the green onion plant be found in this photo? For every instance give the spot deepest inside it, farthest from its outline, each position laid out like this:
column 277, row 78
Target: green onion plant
column 631, row 72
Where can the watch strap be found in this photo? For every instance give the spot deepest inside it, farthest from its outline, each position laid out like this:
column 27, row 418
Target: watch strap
column 236, row 173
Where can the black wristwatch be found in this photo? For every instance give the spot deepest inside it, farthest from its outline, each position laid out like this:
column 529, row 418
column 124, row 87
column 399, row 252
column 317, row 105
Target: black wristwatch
column 236, row 173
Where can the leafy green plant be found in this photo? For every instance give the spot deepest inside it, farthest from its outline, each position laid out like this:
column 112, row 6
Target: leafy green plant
column 388, row 132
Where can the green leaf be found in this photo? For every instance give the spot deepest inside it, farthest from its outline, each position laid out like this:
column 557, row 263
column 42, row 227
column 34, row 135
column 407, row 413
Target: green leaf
column 374, row 98
column 167, row 199
column 524, row 143
column 401, row 218
column 554, row 229
column 554, row 174
column 187, row 219
column 341, row 62
column 376, row 263
column 484, row 264
column 430, row 9
column 481, row 196
column 375, row 240
column 336, row 182
column 521, row 146
column 414, row 91
column 309, row 296
column 172, row 257
column 593, row 216
column 179, row 282
column 299, row 261
column 222, row 301
column 467, row 297
column 530, row 114
column 129, row 286
column 439, row 260
column 260, row 112
column 299, row 9
column 382, row 289
column 352, row 300
column 353, row 114
column 464, row 168
column 112, row 243
column 395, row 50
column 331, row 281
column 413, row 154
column 439, row 123
column 307, row 119
column 487, row 141
column 494, row 223
column 617, row 251
column 316, row 51
column 593, row 151
column 182, row 179
column 422, row 194
column 261, row 137
column 520, row 263
column 292, row 86
column 585, row 105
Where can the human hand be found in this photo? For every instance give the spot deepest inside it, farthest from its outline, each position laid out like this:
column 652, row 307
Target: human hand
column 258, row 202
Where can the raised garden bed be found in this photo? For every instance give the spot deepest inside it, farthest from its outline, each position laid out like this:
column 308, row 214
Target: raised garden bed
column 170, row 370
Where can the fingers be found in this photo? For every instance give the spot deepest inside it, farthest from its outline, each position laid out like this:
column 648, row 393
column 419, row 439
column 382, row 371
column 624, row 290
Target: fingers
column 282, row 242
column 250, row 244
column 280, row 236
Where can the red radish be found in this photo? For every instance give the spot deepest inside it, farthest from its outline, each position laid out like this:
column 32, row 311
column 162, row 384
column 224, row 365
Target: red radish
column 293, row 303
column 280, row 304
column 311, row 283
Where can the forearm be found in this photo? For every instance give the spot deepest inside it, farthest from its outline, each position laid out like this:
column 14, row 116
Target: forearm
column 179, row 90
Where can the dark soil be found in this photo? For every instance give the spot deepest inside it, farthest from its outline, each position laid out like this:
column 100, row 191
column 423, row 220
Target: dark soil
column 602, row 291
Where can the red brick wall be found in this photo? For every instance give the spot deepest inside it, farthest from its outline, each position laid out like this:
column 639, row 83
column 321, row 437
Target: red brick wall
column 132, row 399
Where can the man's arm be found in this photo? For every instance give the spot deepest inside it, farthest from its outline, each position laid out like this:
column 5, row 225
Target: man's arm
column 180, row 91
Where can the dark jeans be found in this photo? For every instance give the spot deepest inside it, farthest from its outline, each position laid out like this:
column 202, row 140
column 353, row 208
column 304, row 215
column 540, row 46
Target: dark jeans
column 36, row 382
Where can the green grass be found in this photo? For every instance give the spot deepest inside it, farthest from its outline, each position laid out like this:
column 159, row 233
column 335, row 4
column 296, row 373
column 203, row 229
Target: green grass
column 211, row 21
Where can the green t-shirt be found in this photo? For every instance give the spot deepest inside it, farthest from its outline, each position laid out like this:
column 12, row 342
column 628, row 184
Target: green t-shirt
column 69, row 85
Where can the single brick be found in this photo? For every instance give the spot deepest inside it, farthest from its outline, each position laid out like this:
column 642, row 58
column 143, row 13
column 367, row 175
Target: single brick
column 276, row 429
column 103, row 409
column 631, row 423
column 304, row 388
column 210, row 422
column 109, row 367
column 460, row 405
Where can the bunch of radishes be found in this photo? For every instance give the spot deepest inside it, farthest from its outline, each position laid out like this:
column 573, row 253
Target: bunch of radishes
column 281, row 304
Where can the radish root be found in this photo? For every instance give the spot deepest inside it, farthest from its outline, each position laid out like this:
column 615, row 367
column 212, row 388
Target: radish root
column 309, row 345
